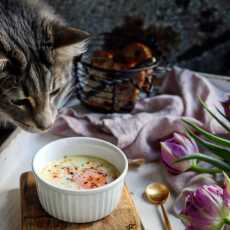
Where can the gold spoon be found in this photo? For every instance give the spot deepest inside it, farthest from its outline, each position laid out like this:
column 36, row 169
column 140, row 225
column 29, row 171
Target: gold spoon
column 157, row 194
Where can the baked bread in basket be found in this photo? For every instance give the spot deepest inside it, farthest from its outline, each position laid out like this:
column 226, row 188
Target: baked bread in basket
column 112, row 78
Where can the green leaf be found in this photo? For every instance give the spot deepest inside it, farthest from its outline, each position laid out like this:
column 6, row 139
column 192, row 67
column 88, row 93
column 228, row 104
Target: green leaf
column 216, row 149
column 199, row 169
column 208, row 135
column 211, row 160
column 214, row 116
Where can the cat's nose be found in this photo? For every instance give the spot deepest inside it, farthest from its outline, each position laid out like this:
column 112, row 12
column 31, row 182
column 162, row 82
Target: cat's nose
column 44, row 121
column 44, row 126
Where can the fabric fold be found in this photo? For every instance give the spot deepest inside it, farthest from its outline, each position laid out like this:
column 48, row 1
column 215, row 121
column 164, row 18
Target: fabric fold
column 153, row 119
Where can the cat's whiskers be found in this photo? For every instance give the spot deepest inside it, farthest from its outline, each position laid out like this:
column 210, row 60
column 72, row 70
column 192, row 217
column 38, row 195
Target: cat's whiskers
column 72, row 88
column 68, row 96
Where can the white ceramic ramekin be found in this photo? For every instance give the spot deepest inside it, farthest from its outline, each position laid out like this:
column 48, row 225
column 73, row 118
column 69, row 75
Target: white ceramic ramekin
column 84, row 205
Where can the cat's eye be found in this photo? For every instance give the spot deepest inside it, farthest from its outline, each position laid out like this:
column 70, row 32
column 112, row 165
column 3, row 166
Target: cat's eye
column 55, row 92
column 21, row 102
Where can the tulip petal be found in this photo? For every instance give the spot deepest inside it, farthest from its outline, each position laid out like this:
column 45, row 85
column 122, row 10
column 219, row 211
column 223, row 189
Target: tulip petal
column 168, row 158
column 177, row 150
column 204, row 209
column 188, row 143
column 166, row 152
column 210, row 201
column 173, row 149
column 170, row 152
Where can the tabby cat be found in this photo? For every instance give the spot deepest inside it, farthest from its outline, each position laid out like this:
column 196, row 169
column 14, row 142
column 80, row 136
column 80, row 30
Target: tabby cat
column 36, row 60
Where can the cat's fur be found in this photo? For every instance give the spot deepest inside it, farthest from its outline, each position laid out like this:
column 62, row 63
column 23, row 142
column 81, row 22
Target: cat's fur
column 36, row 55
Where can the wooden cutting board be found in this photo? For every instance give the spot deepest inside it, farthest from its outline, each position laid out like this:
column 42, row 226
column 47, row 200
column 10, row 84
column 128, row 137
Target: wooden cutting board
column 124, row 217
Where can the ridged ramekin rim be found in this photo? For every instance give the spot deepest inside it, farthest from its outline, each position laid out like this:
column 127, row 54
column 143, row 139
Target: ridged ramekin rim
column 86, row 191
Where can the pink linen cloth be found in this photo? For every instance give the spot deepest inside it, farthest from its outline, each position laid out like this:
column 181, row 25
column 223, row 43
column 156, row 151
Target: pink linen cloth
column 138, row 133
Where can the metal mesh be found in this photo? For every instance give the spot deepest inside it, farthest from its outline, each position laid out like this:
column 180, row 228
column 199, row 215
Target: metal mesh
column 112, row 90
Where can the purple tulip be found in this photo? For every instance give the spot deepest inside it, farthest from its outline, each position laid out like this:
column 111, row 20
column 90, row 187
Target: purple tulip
column 207, row 208
column 173, row 149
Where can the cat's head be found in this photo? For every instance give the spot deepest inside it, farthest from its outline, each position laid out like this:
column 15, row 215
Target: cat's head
column 35, row 73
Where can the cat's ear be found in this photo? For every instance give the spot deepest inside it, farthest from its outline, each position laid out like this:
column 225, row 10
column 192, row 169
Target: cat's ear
column 3, row 60
column 69, row 41
column 66, row 36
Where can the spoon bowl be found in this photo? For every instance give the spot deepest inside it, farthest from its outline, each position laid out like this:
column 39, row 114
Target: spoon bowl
column 157, row 194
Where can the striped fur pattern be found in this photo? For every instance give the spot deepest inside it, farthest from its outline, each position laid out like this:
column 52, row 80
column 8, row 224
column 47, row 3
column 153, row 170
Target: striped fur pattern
column 36, row 55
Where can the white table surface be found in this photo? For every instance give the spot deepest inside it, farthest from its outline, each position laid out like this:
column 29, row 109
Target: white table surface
column 16, row 156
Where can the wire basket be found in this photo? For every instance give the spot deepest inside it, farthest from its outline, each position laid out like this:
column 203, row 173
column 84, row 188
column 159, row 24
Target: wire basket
column 112, row 90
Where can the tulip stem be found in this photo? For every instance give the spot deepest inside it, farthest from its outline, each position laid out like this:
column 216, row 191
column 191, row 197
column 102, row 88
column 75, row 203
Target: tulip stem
column 198, row 169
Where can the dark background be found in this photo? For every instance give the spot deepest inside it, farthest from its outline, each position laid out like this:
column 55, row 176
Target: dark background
column 203, row 25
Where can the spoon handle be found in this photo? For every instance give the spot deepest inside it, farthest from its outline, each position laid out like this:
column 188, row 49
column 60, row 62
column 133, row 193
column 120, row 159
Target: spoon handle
column 166, row 218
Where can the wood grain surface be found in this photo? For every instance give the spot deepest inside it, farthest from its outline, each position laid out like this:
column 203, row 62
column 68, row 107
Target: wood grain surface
column 124, row 217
